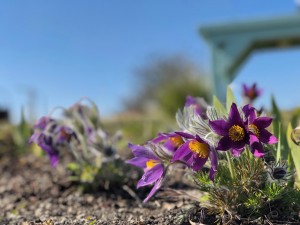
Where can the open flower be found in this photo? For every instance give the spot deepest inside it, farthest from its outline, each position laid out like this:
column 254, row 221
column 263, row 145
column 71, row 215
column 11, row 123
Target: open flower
column 154, row 169
column 233, row 132
column 256, row 127
column 251, row 93
column 195, row 152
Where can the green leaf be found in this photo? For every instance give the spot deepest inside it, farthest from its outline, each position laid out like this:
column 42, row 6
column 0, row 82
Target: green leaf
column 278, row 151
column 295, row 153
column 229, row 99
column 277, row 119
column 219, row 107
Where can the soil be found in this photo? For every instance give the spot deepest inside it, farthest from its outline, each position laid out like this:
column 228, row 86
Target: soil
column 31, row 192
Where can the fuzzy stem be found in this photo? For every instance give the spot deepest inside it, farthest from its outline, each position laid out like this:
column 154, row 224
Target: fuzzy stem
column 230, row 165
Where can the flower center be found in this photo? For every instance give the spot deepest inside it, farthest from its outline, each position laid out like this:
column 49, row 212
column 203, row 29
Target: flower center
column 151, row 163
column 252, row 94
column 177, row 141
column 236, row 133
column 201, row 149
column 254, row 129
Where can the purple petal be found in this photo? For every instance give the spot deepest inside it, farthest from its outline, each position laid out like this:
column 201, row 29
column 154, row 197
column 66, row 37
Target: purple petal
column 249, row 112
column 198, row 163
column 266, row 137
column 181, row 152
column 256, row 147
column 245, row 88
column 151, row 175
column 199, row 139
column 188, row 159
column 42, row 123
column 156, row 186
column 54, row 160
column 220, row 127
column 214, row 164
column 262, row 122
column 160, row 137
column 138, row 161
column 238, row 144
column 185, row 135
column 224, row 144
column 35, row 137
column 236, row 152
column 169, row 145
column 234, row 115
column 190, row 100
column 141, row 151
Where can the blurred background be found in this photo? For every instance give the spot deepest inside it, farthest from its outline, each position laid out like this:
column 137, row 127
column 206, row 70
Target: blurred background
column 136, row 59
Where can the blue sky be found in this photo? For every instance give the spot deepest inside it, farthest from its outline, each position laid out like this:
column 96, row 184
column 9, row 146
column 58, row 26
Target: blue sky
column 63, row 50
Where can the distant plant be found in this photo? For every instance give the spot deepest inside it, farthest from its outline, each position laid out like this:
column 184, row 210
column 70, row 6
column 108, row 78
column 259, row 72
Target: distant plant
column 79, row 131
column 14, row 137
column 245, row 180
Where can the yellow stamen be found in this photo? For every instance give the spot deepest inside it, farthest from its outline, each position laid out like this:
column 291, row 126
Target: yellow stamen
column 177, row 141
column 253, row 128
column 151, row 163
column 236, row 133
column 202, row 149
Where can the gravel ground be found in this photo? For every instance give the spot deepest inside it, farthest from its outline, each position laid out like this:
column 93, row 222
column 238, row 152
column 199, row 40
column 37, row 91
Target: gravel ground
column 31, row 192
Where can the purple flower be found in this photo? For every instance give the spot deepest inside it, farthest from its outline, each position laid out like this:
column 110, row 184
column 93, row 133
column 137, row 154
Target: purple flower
column 251, row 93
column 233, row 132
column 199, row 104
column 170, row 141
column 195, row 152
column 39, row 127
column 154, row 170
column 64, row 134
column 256, row 127
column 46, row 143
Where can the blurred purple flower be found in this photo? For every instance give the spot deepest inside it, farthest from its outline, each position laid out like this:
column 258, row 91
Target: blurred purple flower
column 199, row 104
column 39, row 127
column 256, row 127
column 251, row 93
column 64, row 134
column 233, row 132
column 46, row 143
column 195, row 152
column 48, row 134
column 154, row 170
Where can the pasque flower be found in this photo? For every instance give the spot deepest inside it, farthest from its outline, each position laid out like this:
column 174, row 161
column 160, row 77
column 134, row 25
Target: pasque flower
column 48, row 135
column 199, row 104
column 233, row 132
column 256, row 127
column 195, row 152
column 154, row 169
column 251, row 92
column 46, row 143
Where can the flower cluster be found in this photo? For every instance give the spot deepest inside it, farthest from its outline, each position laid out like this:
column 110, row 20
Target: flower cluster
column 203, row 136
column 79, row 132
